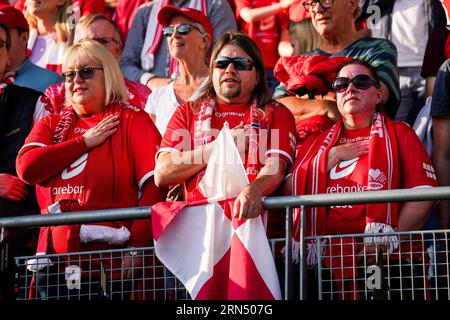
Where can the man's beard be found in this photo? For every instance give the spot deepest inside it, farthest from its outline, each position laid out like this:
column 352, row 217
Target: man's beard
column 230, row 93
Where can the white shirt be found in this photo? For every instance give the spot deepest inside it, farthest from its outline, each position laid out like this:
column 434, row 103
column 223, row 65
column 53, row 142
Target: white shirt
column 162, row 103
column 409, row 31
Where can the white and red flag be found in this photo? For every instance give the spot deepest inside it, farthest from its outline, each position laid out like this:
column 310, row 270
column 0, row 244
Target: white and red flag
column 215, row 255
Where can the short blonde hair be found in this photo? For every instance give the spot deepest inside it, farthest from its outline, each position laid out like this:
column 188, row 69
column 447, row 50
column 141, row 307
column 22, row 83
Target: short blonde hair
column 115, row 88
column 61, row 25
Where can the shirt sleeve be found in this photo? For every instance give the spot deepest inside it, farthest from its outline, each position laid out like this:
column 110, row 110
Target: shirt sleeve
column 440, row 103
column 282, row 135
column 434, row 53
column 417, row 171
column 144, row 140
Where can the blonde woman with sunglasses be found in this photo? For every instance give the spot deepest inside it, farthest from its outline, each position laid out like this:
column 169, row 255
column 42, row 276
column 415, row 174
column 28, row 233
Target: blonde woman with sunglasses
column 98, row 154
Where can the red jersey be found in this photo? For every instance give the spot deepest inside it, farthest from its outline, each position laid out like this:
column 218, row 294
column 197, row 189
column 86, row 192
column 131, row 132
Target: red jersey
column 266, row 33
column 352, row 176
column 117, row 173
column 180, row 131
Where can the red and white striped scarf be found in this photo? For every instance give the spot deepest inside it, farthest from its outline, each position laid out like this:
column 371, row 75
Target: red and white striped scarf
column 8, row 78
column 154, row 34
column 311, row 177
column 202, row 132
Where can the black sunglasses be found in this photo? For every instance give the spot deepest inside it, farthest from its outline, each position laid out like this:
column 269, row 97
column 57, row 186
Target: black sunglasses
column 182, row 29
column 85, row 73
column 239, row 63
column 105, row 40
column 362, row 82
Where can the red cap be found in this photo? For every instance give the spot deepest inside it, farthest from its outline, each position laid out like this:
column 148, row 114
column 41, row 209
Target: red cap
column 13, row 18
column 167, row 12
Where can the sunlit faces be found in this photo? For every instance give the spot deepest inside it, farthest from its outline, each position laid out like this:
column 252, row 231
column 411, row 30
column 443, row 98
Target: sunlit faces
column 87, row 96
column 42, row 8
column 103, row 32
column 354, row 101
column 191, row 43
column 231, row 85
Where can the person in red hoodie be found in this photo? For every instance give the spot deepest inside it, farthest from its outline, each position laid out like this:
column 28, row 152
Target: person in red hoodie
column 98, row 154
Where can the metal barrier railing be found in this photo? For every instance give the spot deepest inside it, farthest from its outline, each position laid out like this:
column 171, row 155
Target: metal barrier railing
column 285, row 202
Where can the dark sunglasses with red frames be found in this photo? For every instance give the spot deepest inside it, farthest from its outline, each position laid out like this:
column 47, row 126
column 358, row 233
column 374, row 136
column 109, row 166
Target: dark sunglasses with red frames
column 85, row 73
column 239, row 63
column 361, row 82
column 182, row 29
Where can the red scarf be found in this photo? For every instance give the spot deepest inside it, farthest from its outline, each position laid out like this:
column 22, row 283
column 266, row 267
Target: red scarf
column 8, row 79
column 61, row 134
column 310, row 176
column 202, row 131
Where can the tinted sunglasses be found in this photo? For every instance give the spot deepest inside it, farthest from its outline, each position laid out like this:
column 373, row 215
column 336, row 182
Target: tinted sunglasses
column 308, row 5
column 182, row 29
column 239, row 63
column 84, row 73
column 362, row 82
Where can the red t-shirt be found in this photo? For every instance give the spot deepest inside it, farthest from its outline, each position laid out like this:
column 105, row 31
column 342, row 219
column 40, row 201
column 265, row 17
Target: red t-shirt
column 352, row 176
column 266, row 33
column 282, row 143
column 111, row 175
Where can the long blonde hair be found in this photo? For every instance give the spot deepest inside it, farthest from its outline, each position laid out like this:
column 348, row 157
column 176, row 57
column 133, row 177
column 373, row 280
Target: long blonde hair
column 62, row 28
column 115, row 88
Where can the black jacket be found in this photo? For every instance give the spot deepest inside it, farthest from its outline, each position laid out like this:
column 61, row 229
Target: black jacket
column 17, row 106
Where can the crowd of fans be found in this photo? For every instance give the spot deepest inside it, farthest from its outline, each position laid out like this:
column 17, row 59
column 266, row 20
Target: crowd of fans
column 93, row 93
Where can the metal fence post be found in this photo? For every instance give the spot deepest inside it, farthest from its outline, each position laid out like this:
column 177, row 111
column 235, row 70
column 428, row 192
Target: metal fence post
column 303, row 293
column 288, row 259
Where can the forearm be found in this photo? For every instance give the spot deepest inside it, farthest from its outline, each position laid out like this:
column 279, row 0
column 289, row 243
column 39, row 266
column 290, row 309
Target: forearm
column 413, row 215
column 175, row 167
column 251, row 15
column 41, row 163
column 270, row 176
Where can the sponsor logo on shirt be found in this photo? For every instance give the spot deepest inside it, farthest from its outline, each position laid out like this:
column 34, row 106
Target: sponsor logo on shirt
column 79, row 130
column 66, row 190
column 229, row 113
column 344, row 189
column 377, row 179
column 343, row 169
column 75, row 168
column 429, row 171
column 353, row 140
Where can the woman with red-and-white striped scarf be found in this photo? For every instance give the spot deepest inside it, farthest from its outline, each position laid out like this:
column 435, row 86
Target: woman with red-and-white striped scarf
column 49, row 31
column 363, row 151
